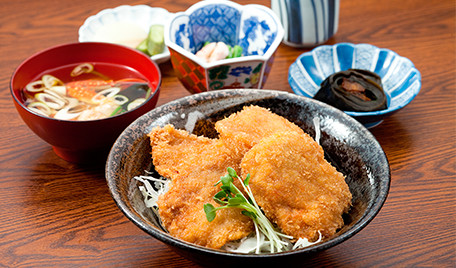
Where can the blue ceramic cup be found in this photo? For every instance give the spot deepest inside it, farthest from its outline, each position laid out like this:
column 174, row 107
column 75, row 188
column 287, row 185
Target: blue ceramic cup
column 307, row 23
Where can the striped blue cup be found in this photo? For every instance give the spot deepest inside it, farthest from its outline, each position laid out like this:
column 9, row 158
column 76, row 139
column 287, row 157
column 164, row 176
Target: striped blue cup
column 307, row 23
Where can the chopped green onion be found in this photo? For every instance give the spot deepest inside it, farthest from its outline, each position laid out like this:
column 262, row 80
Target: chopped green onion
column 70, row 112
column 40, row 108
column 81, row 69
column 117, row 111
column 132, row 105
column 50, row 81
column 120, row 99
column 36, row 86
column 148, row 92
column 50, row 100
column 109, row 92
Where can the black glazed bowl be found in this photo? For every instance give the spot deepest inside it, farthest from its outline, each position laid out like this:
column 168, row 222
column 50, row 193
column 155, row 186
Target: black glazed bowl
column 349, row 146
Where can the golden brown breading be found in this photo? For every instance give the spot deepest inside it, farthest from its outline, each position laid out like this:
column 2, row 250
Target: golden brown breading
column 194, row 164
column 241, row 131
column 291, row 181
column 295, row 186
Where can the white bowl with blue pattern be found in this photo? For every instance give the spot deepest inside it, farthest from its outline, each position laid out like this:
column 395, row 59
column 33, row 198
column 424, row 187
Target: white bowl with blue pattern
column 142, row 16
column 255, row 28
column 401, row 80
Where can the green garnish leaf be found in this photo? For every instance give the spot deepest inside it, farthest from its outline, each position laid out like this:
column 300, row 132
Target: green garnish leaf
column 237, row 51
column 235, row 201
column 226, row 188
column 220, row 198
column 249, row 214
column 226, row 180
column 209, row 209
column 234, row 52
column 232, row 173
column 241, row 196
column 231, row 197
column 247, row 179
column 220, row 195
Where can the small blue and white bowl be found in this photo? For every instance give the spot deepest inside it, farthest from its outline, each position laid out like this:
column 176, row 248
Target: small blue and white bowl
column 116, row 25
column 401, row 80
column 255, row 28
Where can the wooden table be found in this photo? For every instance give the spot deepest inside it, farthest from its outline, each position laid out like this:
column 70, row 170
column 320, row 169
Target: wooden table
column 54, row 213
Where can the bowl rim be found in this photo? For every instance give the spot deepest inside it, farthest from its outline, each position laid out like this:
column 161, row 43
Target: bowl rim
column 61, row 46
column 352, row 113
column 159, row 58
column 275, row 44
column 110, row 174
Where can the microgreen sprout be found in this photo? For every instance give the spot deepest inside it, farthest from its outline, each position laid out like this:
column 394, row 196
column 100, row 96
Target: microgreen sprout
column 231, row 197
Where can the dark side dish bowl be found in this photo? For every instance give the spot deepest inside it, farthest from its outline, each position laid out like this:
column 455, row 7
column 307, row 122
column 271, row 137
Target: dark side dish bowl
column 84, row 141
column 348, row 145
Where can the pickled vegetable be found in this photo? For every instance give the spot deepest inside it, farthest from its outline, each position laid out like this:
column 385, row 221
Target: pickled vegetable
column 353, row 90
column 155, row 40
column 154, row 43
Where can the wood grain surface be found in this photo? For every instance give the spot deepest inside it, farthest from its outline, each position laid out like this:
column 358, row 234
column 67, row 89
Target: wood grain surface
column 57, row 214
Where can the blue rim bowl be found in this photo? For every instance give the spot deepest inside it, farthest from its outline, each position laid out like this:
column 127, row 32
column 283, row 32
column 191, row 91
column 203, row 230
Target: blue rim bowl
column 401, row 80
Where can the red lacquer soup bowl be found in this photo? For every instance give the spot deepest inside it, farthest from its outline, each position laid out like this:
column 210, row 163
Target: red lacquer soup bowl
column 88, row 140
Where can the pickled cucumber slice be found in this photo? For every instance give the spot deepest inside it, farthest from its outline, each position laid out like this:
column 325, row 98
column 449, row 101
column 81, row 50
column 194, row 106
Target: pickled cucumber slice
column 155, row 40
column 142, row 46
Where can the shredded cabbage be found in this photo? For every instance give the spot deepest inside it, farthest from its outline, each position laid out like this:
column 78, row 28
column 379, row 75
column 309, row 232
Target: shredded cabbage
column 304, row 242
column 316, row 122
column 151, row 193
column 192, row 119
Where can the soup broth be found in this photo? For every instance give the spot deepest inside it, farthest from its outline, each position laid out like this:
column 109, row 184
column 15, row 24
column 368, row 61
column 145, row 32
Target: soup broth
column 87, row 91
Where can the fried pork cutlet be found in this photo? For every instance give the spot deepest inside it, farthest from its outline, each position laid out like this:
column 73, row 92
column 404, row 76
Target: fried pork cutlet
column 241, row 131
column 291, row 180
column 194, row 164
column 295, row 186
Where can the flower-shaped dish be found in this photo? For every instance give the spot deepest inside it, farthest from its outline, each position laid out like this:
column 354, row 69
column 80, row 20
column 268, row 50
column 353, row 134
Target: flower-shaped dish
column 253, row 27
column 401, row 80
column 139, row 17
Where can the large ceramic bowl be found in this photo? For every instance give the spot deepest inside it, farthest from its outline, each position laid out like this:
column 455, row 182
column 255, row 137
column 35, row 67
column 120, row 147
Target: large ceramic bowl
column 253, row 27
column 98, row 27
column 84, row 141
column 401, row 80
column 348, row 145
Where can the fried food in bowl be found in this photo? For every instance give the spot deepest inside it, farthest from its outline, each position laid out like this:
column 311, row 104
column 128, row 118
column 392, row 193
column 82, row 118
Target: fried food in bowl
column 347, row 148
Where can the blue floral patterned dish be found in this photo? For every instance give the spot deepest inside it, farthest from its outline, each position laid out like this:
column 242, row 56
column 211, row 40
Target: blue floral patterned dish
column 255, row 28
column 225, row 23
column 401, row 80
